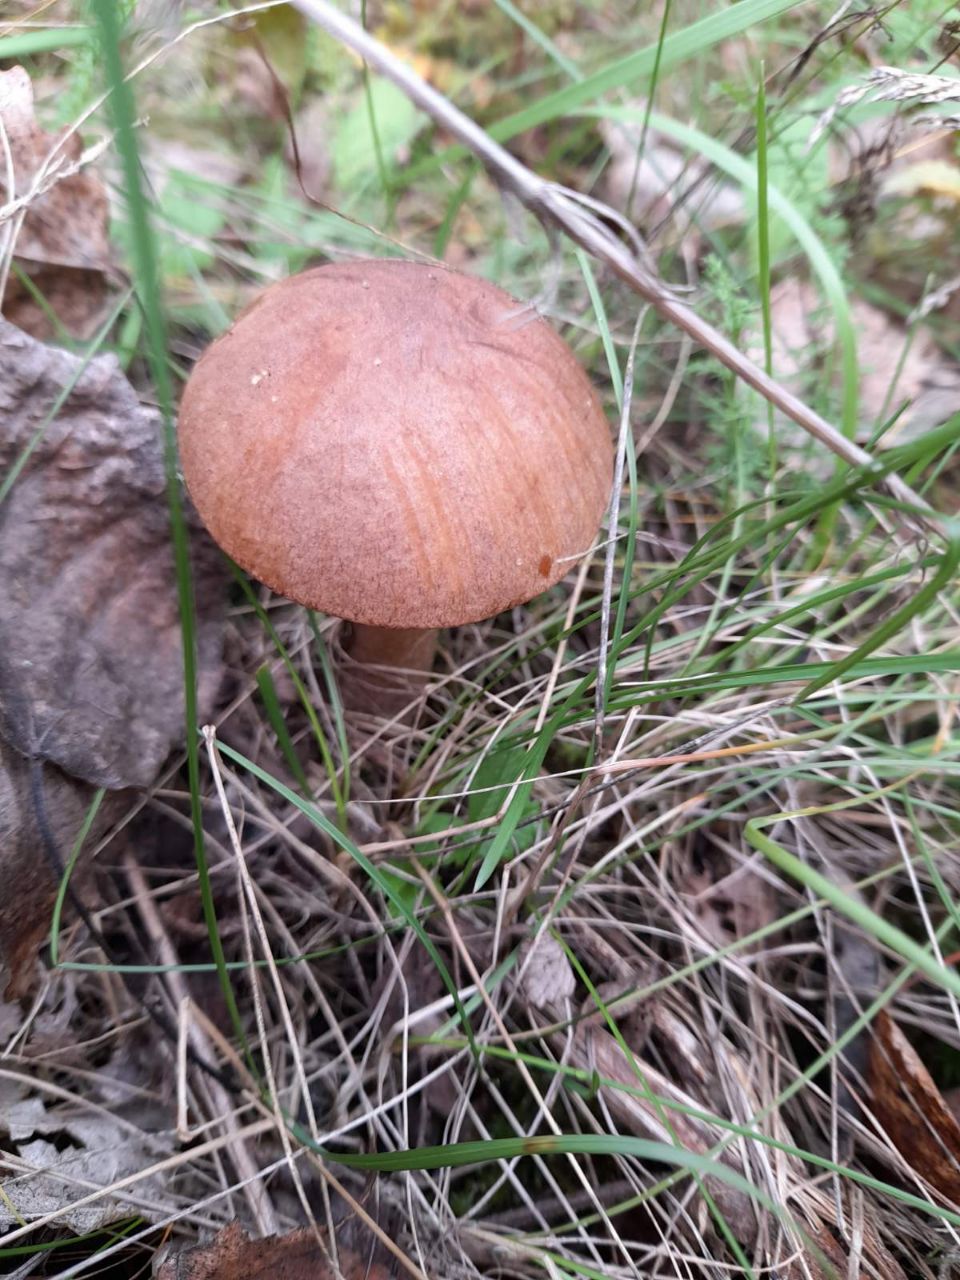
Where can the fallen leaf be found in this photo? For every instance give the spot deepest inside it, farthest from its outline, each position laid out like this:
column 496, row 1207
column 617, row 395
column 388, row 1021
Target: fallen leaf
column 189, row 184
column 354, row 146
column 894, row 367
column 594, row 1050
column 91, row 678
column 91, row 670
column 730, row 904
column 648, row 185
column 61, row 243
column 270, row 61
column 925, row 177
column 952, row 1099
column 49, row 1180
column 296, row 1256
column 911, row 1109
column 91, row 1149
column 546, row 978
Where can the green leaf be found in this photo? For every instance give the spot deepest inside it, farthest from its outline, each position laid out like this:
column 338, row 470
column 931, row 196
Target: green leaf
column 496, row 773
column 355, row 144
column 186, row 222
column 281, row 33
column 403, row 895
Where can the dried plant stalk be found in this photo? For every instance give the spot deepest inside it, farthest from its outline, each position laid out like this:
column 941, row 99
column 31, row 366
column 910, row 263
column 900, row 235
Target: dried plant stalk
column 577, row 217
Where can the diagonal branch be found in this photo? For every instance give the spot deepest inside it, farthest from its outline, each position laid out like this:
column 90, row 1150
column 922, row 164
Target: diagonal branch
column 555, row 206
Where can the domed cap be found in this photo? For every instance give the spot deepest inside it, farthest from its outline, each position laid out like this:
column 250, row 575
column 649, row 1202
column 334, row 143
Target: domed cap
column 396, row 444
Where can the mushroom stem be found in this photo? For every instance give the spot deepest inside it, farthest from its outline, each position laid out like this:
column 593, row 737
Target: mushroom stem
column 387, row 668
column 409, row 648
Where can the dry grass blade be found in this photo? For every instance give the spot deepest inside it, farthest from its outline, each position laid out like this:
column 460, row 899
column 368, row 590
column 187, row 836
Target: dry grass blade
column 890, row 84
column 213, row 1092
column 558, row 207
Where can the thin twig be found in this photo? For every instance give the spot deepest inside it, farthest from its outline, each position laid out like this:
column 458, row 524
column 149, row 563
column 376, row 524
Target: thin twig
column 558, row 207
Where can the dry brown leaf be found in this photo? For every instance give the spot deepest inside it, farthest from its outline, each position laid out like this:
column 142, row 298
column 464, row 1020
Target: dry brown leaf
column 91, row 674
column 911, row 1109
column 952, row 1099
column 730, row 904
column 61, row 243
column 925, row 177
column 297, row 1256
column 594, row 1050
column 60, row 1153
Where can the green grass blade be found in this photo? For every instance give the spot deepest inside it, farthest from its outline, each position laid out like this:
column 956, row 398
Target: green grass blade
column 456, row 1155
column 88, row 821
column 700, row 36
column 763, row 260
column 651, row 95
column 600, row 311
column 533, row 762
column 302, row 693
column 539, row 38
column 147, row 280
column 854, row 910
column 946, row 573
column 813, row 247
column 335, row 702
column 382, row 172
column 271, row 703
column 28, row 44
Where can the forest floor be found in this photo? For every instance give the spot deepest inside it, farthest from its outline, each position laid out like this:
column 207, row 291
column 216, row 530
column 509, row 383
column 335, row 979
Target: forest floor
column 629, row 947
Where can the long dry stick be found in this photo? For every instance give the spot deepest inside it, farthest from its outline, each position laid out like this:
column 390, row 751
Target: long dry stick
column 558, row 207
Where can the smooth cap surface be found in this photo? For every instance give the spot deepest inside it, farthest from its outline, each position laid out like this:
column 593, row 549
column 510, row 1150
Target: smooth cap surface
column 396, row 444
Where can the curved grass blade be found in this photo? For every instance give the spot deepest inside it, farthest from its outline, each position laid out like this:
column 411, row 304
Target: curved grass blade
column 947, row 572
column 860, row 914
column 721, row 25
column 88, row 820
column 271, row 702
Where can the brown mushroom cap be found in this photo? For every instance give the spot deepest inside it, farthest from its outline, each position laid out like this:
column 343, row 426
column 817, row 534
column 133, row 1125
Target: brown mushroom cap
column 396, row 444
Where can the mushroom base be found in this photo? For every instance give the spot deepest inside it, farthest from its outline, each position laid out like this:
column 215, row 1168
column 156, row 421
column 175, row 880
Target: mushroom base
column 388, row 668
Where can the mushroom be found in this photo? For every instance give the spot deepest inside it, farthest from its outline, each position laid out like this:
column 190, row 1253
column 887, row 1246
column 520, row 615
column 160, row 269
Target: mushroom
column 396, row 444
